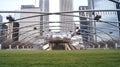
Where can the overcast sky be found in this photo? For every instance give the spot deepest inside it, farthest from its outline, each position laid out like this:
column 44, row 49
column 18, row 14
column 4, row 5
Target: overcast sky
column 15, row 4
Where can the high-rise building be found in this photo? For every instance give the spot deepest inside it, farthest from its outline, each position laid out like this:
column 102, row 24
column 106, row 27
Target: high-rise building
column 44, row 7
column 85, row 26
column 60, row 6
column 13, row 31
column 3, row 33
column 3, row 30
column 15, row 34
column 66, row 5
column 54, row 6
column 29, row 27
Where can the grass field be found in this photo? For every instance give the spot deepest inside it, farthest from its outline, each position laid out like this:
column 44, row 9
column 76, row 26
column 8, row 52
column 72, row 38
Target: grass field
column 82, row 58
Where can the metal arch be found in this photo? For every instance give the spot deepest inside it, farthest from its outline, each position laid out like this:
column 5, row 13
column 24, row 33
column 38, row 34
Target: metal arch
column 56, row 14
column 28, row 35
column 109, row 23
column 103, row 41
column 20, row 34
column 97, row 21
column 103, row 32
column 107, row 34
column 34, row 40
column 93, row 34
column 23, row 34
column 30, row 39
column 99, row 37
column 44, row 13
column 89, row 11
column 51, row 14
column 17, row 28
column 17, row 36
column 68, row 21
column 76, row 11
column 24, row 12
column 68, row 15
column 92, row 27
column 55, row 22
column 25, row 37
column 46, row 42
column 31, row 16
column 91, row 42
column 100, row 27
column 40, row 15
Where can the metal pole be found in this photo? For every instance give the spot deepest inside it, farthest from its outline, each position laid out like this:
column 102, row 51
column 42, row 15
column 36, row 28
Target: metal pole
column 10, row 47
column 106, row 46
column 116, row 45
column 0, row 46
column 94, row 23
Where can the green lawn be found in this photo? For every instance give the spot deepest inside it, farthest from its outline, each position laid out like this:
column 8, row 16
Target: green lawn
column 37, row 58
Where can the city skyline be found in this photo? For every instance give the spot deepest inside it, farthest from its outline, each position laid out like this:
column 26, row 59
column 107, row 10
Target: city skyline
column 16, row 5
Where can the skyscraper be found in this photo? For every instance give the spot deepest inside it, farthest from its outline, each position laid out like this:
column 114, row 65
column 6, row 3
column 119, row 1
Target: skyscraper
column 66, row 5
column 54, row 7
column 30, row 24
column 3, row 30
column 60, row 6
column 44, row 7
column 85, row 26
